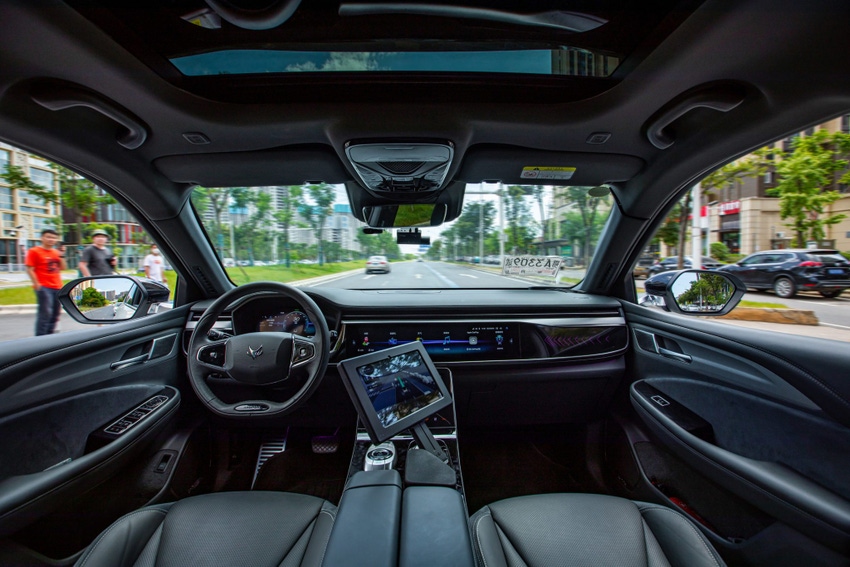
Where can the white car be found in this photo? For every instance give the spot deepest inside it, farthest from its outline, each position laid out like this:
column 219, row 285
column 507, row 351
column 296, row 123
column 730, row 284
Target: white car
column 377, row 264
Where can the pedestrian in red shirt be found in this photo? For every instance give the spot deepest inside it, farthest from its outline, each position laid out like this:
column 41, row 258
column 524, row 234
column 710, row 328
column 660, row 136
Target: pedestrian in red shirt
column 44, row 267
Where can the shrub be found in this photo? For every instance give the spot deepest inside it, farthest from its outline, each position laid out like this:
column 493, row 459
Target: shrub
column 720, row 251
column 92, row 298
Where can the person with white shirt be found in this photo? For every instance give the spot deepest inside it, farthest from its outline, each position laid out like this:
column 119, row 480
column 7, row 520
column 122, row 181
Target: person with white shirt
column 153, row 265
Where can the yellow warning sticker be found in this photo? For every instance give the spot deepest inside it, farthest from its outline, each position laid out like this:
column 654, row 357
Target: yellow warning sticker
column 537, row 172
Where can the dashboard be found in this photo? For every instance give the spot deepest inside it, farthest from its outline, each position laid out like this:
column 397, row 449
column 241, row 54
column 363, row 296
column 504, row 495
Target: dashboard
column 450, row 335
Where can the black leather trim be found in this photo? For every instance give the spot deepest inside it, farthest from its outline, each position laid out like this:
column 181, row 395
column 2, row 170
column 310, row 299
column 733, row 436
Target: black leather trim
column 434, row 528
column 25, row 498
column 366, row 532
column 822, row 380
column 778, row 490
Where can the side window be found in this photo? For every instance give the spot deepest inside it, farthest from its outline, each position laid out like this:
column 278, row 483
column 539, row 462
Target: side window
column 757, row 259
column 50, row 215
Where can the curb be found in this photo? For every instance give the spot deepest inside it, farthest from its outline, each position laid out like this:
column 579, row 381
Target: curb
column 18, row 309
column 769, row 315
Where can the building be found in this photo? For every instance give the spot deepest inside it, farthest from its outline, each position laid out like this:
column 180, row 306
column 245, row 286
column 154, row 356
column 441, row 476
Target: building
column 746, row 220
column 23, row 215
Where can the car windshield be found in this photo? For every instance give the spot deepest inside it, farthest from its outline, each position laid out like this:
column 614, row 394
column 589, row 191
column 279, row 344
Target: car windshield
column 504, row 236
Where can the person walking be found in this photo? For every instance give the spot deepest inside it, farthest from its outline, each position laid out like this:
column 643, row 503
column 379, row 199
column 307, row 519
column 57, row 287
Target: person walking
column 153, row 265
column 44, row 267
column 97, row 259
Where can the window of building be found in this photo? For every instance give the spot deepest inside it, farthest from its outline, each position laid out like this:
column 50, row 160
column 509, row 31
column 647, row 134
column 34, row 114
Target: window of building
column 4, row 159
column 42, row 177
column 5, row 198
column 845, row 123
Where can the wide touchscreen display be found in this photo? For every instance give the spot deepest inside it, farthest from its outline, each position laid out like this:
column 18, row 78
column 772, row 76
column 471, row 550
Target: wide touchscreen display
column 442, row 341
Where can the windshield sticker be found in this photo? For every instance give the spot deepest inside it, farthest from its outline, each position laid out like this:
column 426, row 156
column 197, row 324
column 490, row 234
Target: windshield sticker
column 547, row 172
column 531, row 265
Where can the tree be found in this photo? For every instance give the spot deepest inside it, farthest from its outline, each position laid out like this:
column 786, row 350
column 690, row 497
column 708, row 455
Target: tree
column 584, row 223
column 813, row 165
column 474, row 223
column 81, row 198
column 519, row 219
column 290, row 198
column 383, row 244
column 17, row 179
column 315, row 214
column 218, row 198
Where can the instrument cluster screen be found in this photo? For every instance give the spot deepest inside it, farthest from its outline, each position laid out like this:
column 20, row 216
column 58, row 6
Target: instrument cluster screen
column 442, row 341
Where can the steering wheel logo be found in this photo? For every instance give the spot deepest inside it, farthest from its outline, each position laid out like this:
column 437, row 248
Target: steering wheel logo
column 255, row 353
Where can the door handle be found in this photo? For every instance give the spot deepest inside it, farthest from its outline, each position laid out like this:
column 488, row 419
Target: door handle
column 141, row 359
column 674, row 355
column 160, row 346
column 652, row 343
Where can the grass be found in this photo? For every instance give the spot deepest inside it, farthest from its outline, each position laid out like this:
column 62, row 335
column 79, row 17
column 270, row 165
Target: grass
column 762, row 304
column 24, row 294
column 295, row 272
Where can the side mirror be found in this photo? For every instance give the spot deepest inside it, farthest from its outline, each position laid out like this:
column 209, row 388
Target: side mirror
column 696, row 292
column 105, row 299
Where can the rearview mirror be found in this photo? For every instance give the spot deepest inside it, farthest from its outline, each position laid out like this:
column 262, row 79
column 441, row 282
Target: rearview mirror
column 105, row 299
column 696, row 292
column 405, row 216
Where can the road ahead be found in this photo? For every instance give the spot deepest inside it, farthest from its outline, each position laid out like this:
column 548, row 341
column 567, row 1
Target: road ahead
column 426, row 275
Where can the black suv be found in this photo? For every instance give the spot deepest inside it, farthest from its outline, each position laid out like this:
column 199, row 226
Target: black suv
column 672, row 263
column 790, row 271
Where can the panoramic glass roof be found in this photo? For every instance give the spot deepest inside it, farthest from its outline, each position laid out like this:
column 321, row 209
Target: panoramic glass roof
column 565, row 61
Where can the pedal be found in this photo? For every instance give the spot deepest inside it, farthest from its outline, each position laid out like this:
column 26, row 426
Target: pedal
column 268, row 449
column 325, row 444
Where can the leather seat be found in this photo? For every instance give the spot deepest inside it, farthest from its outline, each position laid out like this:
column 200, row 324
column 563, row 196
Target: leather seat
column 587, row 529
column 227, row 528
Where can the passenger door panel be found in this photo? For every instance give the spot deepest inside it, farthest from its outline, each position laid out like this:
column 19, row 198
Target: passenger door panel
column 764, row 415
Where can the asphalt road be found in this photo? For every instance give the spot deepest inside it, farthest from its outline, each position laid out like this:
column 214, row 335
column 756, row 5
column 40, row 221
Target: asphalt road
column 424, row 275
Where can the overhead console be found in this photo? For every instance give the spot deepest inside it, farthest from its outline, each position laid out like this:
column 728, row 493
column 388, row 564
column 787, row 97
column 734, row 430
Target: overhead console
column 401, row 167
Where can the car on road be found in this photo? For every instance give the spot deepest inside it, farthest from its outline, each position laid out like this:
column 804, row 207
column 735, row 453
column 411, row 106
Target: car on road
column 577, row 426
column 790, row 271
column 377, row 264
column 672, row 263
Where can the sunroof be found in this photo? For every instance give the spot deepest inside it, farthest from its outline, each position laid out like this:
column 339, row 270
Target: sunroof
column 565, row 61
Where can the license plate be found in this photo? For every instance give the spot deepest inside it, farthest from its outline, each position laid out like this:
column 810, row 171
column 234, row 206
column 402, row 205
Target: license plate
column 835, row 271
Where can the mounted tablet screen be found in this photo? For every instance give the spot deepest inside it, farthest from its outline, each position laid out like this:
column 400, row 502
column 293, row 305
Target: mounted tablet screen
column 394, row 389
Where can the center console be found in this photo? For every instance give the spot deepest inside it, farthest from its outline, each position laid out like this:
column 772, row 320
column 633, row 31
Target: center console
column 405, row 406
column 404, row 480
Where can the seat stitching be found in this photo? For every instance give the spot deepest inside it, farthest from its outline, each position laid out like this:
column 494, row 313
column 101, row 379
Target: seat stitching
column 123, row 520
column 700, row 537
column 477, row 538
column 333, row 519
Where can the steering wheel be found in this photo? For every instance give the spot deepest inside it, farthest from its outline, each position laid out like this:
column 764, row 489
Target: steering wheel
column 258, row 359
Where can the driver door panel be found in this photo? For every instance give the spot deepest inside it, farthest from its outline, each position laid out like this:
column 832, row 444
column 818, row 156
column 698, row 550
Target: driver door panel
column 765, row 416
column 64, row 391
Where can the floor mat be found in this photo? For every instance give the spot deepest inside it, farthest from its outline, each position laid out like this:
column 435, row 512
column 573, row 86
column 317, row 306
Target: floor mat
column 498, row 464
column 299, row 469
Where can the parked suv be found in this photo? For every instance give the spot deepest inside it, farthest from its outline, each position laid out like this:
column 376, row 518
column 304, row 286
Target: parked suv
column 790, row 271
column 672, row 263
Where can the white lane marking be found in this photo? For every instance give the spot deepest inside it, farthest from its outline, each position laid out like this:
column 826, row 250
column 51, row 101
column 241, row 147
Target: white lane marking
column 468, row 276
column 418, row 276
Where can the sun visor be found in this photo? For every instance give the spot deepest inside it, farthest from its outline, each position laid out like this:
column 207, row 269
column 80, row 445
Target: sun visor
column 524, row 166
column 294, row 165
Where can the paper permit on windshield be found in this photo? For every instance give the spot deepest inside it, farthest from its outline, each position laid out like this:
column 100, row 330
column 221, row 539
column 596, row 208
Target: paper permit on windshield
column 531, row 265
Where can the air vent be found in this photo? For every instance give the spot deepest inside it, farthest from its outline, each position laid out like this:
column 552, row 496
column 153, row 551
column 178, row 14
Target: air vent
column 401, row 166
